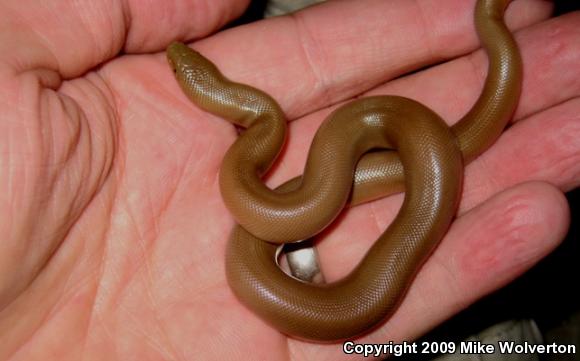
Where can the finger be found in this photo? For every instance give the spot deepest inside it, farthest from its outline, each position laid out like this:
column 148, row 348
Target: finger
column 545, row 147
column 70, row 37
column 519, row 156
column 444, row 88
column 547, row 48
column 485, row 249
column 340, row 49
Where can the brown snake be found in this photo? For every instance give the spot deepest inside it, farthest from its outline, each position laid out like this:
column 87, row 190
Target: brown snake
column 431, row 154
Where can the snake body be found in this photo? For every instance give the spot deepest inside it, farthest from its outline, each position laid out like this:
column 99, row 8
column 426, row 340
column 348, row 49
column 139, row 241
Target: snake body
column 427, row 164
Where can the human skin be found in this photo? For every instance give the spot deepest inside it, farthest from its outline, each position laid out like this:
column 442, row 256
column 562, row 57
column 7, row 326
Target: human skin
column 113, row 229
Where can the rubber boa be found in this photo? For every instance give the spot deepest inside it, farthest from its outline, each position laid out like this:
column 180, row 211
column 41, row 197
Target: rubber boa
column 427, row 164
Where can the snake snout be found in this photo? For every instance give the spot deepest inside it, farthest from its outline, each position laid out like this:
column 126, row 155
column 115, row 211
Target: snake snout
column 175, row 55
column 183, row 59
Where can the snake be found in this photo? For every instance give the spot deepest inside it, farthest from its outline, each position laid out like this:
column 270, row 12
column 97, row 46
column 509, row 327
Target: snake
column 364, row 150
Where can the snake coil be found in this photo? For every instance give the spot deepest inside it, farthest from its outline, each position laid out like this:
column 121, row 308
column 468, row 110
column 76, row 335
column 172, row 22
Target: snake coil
column 340, row 170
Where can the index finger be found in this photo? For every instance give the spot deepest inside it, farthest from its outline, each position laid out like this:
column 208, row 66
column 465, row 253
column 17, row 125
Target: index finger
column 336, row 50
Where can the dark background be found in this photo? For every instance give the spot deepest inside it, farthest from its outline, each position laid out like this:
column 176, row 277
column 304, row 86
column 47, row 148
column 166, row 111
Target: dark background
column 547, row 293
column 563, row 6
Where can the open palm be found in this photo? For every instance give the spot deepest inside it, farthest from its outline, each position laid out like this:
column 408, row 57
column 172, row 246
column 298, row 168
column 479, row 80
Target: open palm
column 112, row 226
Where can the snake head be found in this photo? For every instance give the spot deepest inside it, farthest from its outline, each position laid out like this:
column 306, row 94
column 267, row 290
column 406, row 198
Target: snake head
column 196, row 74
column 184, row 60
column 177, row 56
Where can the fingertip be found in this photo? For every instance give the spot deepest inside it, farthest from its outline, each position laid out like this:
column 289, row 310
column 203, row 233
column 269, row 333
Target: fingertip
column 508, row 234
column 553, row 210
column 486, row 248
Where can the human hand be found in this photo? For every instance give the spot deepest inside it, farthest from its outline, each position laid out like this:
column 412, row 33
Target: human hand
column 114, row 230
